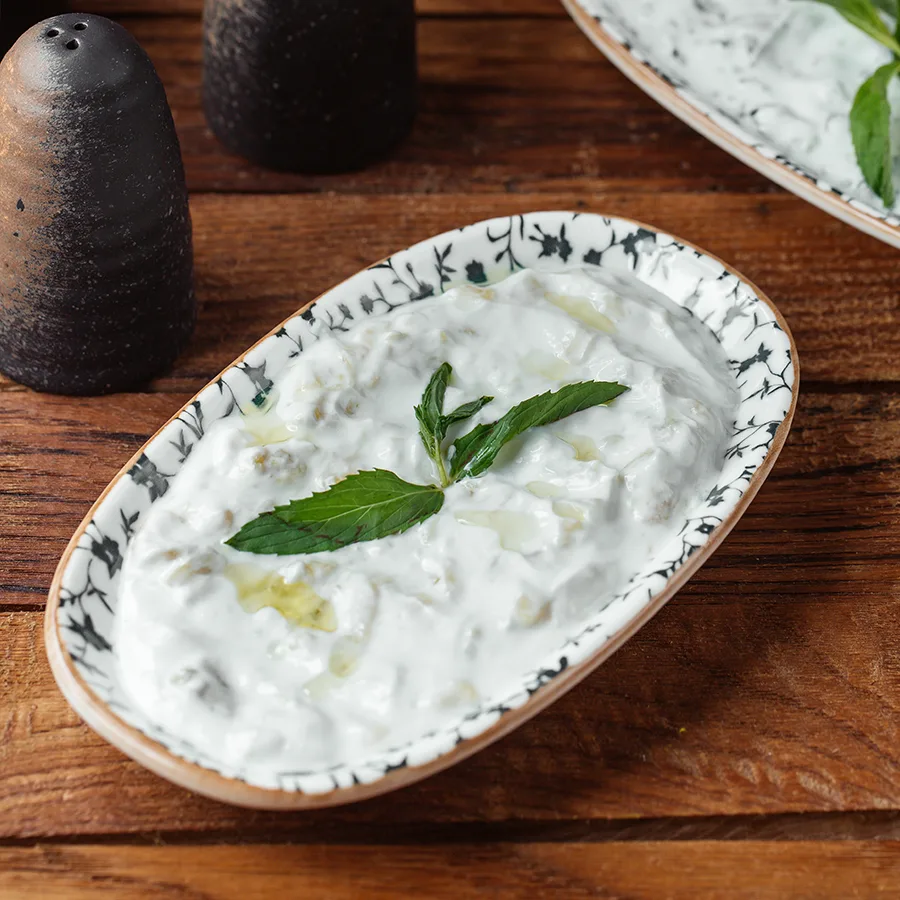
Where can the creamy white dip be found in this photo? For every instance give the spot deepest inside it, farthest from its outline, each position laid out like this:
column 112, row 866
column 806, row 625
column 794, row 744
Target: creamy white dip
column 308, row 661
column 785, row 70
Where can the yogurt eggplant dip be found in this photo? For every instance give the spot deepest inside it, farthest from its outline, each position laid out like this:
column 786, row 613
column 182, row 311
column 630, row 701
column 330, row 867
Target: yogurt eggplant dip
column 312, row 660
column 784, row 70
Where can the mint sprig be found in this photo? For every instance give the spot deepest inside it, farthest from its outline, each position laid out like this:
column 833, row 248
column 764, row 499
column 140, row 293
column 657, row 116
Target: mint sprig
column 363, row 507
column 374, row 504
column 433, row 424
column 477, row 450
column 870, row 127
column 870, row 115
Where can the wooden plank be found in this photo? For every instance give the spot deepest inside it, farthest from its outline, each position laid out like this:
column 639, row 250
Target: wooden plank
column 676, row 871
column 770, row 685
column 259, row 258
column 719, row 707
column 57, row 454
column 505, row 105
column 482, row 8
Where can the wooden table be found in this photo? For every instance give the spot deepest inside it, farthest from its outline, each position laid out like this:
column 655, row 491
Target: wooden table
column 744, row 745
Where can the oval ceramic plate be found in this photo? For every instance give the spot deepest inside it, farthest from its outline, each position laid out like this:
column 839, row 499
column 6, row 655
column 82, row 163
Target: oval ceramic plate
column 82, row 602
column 658, row 78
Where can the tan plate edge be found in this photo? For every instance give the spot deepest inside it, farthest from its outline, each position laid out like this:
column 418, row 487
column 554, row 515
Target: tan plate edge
column 664, row 94
column 149, row 753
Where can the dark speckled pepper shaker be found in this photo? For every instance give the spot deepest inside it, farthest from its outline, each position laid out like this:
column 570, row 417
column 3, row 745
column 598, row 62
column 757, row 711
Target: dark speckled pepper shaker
column 310, row 85
column 96, row 271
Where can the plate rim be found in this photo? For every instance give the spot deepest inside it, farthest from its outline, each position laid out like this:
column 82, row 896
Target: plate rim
column 799, row 183
column 151, row 754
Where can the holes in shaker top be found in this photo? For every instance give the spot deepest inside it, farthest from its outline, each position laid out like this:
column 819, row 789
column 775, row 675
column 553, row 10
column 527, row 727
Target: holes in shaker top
column 72, row 44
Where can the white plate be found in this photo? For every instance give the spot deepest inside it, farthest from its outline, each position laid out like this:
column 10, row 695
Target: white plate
column 83, row 597
column 735, row 131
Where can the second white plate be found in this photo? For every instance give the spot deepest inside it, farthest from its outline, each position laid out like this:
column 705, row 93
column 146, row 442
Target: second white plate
column 692, row 101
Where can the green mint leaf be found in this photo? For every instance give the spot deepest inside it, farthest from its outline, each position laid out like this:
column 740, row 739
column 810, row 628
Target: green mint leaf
column 363, row 507
column 431, row 408
column 464, row 448
column 887, row 6
column 433, row 424
column 429, row 437
column 432, row 405
column 461, row 413
column 870, row 126
column 892, row 8
column 864, row 15
column 476, row 451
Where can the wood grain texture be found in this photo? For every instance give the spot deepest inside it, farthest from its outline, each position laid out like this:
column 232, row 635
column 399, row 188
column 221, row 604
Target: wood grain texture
column 259, row 258
column 506, row 105
column 697, row 871
column 761, row 703
column 838, row 473
column 769, row 685
column 53, row 455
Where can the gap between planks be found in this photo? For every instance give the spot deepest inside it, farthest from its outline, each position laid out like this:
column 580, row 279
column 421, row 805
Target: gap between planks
column 863, row 825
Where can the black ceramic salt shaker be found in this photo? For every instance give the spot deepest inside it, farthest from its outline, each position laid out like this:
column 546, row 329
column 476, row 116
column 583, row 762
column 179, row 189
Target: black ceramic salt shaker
column 310, row 86
column 96, row 264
